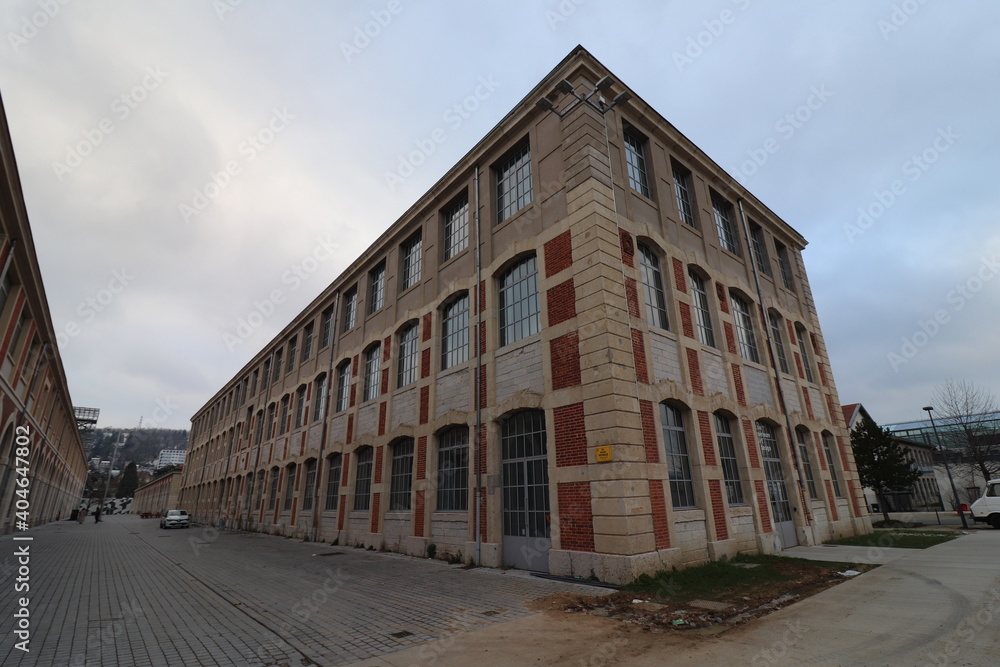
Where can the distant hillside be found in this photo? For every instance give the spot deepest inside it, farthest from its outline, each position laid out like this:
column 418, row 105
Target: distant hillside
column 142, row 446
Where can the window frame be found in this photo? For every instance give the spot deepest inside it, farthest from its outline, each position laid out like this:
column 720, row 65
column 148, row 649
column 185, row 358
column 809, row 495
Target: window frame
column 290, row 471
column 455, row 237
column 801, row 441
column 411, row 261
column 728, row 460
column 373, row 367
column 530, row 323
column 401, row 475
column 684, row 193
column 363, row 469
column 455, row 332
column 308, row 492
column 758, row 240
column 513, row 174
column 724, row 213
column 376, row 288
column 826, row 437
column 333, row 482
column 785, row 265
column 677, row 457
column 300, row 406
column 343, row 385
column 743, row 318
column 635, row 143
column 308, row 333
column 407, row 365
column 774, row 321
column 800, row 332
column 350, row 309
column 326, row 327
column 320, row 396
column 702, row 308
column 653, row 286
column 453, row 470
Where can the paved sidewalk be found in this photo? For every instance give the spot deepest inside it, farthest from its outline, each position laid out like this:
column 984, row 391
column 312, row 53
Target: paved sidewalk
column 123, row 592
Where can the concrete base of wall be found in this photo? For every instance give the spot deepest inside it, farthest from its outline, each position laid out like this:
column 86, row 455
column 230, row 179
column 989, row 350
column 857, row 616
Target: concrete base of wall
column 769, row 543
column 611, row 568
column 414, row 546
column 723, row 550
column 490, row 554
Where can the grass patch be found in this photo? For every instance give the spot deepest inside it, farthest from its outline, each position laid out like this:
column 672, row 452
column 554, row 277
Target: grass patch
column 729, row 582
column 893, row 523
column 898, row 539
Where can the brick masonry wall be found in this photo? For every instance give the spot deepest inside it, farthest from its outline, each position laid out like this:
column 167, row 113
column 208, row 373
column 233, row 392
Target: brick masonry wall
column 564, row 353
column 570, row 439
column 576, row 517
column 454, row 392
column 758, row 386
column 404, row 407
column 714, row 374
column 666, row 359
column 519, row 369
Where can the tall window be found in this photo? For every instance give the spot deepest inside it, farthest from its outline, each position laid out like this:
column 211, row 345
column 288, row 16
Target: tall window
column 723, row 212
column 277, row 365
column 292, row 347
column 310, row 491
column 283, row 422
column 272, row 497
column 266, row 378
column 320, row 392
column 455, row 332
column 727, row 457
column 456, row 228
column 652, row 287
column 807, row 469
column 785, row 264
column 744, row 329
column 702, row 313
column 333, row 464
column 5, row 288
column 350, row 308
column 269, row 431
column 412, row 257
column 363, row 484
column 307, row 341
column 678, row 461
column 834, row 477
column 800, row 333
column 635, row 160
column 518, row 302
column 407, row 371
column 513, row 181
column 343, row 382
column 300, row 406
column 453, row 470
column 259, row 429
column 372, row 361
column 253, row 382
column 684, row 194
column 760, row 249
column 779, row 346
column 325, row 327
column 289, row 486
column 376, row 288
column 401, row 479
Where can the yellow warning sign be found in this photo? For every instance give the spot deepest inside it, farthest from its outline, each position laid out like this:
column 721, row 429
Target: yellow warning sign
column 603, row 453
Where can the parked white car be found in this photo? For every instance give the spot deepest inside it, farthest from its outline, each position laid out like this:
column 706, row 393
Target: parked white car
column 175, row 519
column 987, row 508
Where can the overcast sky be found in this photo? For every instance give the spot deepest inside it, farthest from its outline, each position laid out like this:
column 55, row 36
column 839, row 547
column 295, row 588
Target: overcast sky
column 181, row 160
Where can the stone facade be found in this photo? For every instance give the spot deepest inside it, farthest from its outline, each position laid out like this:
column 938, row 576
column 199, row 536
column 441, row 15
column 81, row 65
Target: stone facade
column 608, row 413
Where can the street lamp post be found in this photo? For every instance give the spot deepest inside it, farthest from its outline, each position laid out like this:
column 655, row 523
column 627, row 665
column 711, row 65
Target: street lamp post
column 954, row 491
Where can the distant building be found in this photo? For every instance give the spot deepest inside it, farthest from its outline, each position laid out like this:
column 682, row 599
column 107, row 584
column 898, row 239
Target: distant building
column 159, row 495
column 559, row 359
column 37, row 418
column 171, row 457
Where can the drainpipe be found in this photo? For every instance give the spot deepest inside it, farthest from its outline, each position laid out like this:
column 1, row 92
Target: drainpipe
column 326, row 414
column 476, row 379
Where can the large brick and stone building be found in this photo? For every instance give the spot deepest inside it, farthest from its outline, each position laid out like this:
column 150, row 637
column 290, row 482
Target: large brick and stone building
column 37, row 419
column 560, row 358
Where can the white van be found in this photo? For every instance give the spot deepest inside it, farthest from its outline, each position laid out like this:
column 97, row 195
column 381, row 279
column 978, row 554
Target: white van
column 987, row 508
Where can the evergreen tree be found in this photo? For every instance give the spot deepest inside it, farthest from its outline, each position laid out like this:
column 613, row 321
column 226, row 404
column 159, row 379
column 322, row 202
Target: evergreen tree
column 129, row 482
column 882, row 463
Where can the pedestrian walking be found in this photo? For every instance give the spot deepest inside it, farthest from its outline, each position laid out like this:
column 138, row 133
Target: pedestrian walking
column 97, row 515
column 82, row 515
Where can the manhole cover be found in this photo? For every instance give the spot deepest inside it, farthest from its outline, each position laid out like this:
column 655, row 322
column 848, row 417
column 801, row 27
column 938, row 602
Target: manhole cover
column 401, row 634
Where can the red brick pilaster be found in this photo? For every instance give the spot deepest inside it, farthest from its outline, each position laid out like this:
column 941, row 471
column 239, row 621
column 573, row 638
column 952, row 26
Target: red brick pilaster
column 558, row 254
column 425, row 402
column 762, row 506
column 628, row 247
column 576, row 517
column 378, row 464
column 658, row 503
column 564, row 353
column 632, row 297
column 720, row 291
column 741, row 396
column 381, row 418
column 418, row 514
column 422, row 457
column 561, row 302
column 834, row 515
column 705, row 432
column 570, row 435
column 687, row 326
column 751, row 439
column 376, row 506
column 694, row 371
column 730, row 338
column 350, row 429
column 680, row 279
column 425, row 363
column 639, row 353
column 427, row 327
column 718, row 509
column 648, row 422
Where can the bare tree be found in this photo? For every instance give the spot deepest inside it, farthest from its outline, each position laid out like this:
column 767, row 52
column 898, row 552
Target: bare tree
column 965, row 425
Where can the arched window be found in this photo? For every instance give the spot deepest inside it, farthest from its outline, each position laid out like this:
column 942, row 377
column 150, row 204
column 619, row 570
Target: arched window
column 373, row 360
column 652, row 287
column 518, row 310
column 343, row 385
column 727, row 458
column 289, row 486
column 455, row 332
column 363, row 480
column 744, row 329
column 401, row 478
column 800, row 333
column 831, row 462
column 310, row 488
column 320, row 391
column 407, row 364
column 802, row 440
column 702, row 310
column 272, row 497
column 333, row 469
column 286, row 401
column 300, row 406
column 779, row 346
column 677, row 458
column 453, row 470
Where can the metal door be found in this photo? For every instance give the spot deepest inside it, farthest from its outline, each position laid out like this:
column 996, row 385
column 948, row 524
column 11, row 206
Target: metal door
column 526, row 521
column 777, row 491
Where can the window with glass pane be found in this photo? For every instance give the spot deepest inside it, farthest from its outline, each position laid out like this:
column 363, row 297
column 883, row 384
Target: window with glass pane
column 333, row 470
column 267, row 374
column 292, row 347
column 453, row 470
column 259, row 431
column 325, row 327
column 760, row 249
column 455, row 333
column 307, row 341
column 518, row 302
column 289, row 486
column 300, row 406
column 372, row 366
column 309, row 492
column 513, row 181
column 727, row 457
column 269, row 428
column 261, row 479
column 456, row 228
column 677, row 459
column 779, row 346
column 283, row 421
column 806, row 361
column 376, row 288
column 834, row 477
column 401, row 477
column 343, row 383
column 272, row 497
column 5, row 288
column 412, row 254
column 652, row 287
column 702, row 313
column 785, row 264
column 723, row 212
column 684, row 194
column 807, row 469
column 319, row 396
column 277, row 366
column 407, row 371
column 635, row 160
column 744, row 329
column 253, row 383
column 363, row 483
column 350, row 308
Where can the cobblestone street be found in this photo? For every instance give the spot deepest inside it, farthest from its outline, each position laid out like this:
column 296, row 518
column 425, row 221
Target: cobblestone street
column 124, row 592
